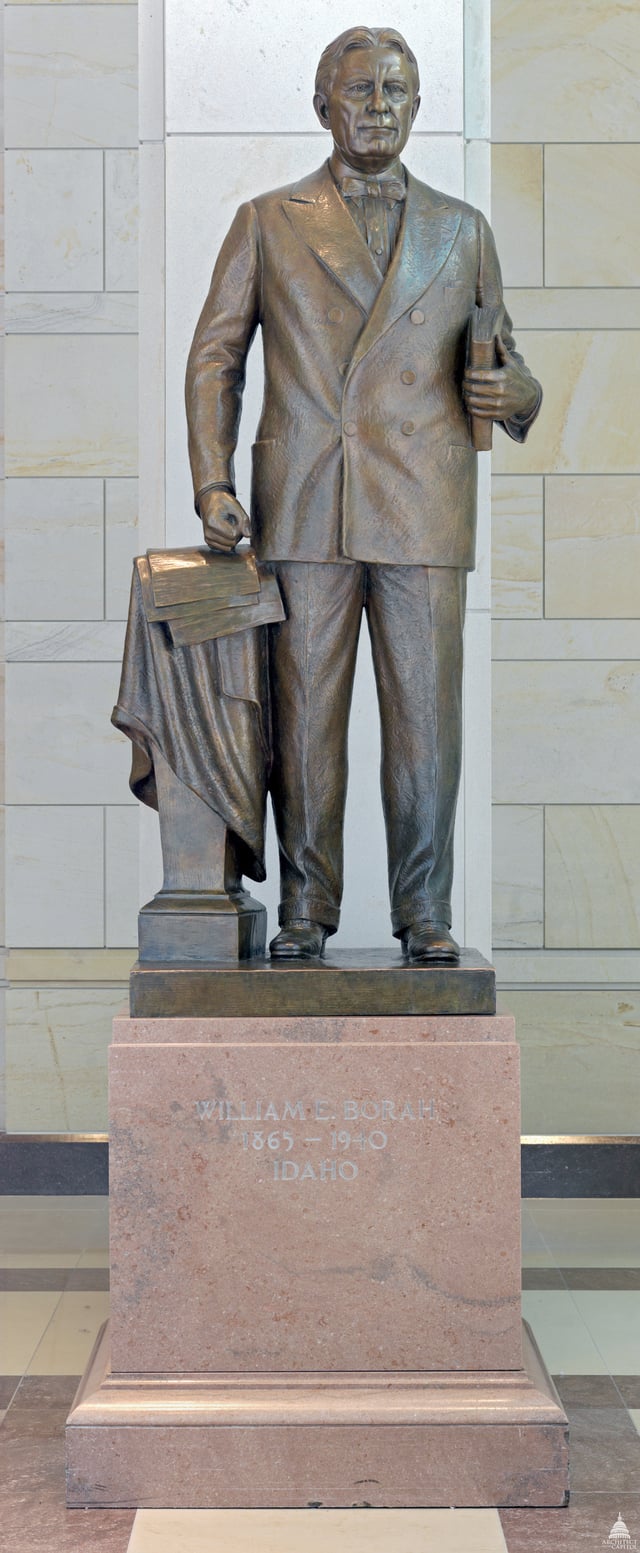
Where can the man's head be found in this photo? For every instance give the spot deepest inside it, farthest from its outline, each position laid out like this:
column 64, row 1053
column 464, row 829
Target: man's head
column 367, row 95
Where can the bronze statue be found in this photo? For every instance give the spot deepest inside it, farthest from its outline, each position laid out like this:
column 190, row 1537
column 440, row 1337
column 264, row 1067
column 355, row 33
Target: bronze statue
column 364, row 282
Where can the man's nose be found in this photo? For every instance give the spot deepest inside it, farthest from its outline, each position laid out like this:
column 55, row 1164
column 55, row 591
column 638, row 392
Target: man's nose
column 378, row 102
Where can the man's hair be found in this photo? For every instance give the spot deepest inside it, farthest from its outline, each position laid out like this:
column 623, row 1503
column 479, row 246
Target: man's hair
column 362, row 38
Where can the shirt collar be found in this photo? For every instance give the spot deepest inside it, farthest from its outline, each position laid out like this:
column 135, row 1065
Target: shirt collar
column 341, row 169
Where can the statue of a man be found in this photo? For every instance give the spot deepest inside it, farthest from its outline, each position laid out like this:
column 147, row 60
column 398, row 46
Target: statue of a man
column 363, row 281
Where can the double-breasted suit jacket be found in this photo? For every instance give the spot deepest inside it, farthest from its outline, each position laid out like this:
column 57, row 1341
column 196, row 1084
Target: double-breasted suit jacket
column 363, row 498
column 363, row 448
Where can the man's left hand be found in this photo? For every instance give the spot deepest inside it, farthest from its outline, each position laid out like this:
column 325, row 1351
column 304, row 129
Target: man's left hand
column 501, row 392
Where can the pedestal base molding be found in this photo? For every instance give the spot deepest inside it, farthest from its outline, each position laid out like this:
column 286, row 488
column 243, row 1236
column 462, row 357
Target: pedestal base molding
column 405, row 1440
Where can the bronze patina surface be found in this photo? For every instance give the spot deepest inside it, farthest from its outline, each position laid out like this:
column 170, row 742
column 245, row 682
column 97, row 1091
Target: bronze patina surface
column 365, row 981
column 363, row 281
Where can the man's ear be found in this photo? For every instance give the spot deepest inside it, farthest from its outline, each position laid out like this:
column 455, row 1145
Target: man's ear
column 414, row 107
column 322, row 110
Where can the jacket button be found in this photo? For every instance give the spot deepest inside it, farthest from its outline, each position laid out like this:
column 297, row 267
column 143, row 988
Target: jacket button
column 335, row 315
column 343, row 368
column 417, row 316
column 408, row 377
column 408, row 427
column 350, row 428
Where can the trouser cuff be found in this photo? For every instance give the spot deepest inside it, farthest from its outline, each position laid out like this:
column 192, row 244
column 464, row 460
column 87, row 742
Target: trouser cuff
column 311, row 908
column 413, row 912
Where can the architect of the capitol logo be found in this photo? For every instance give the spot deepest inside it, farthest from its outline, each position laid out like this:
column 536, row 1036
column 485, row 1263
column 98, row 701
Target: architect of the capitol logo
column 619, row 1536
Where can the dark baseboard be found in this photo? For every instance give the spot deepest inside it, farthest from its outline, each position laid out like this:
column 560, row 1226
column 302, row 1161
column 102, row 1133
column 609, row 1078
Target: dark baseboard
column 581, row 1169
column 39, row 1166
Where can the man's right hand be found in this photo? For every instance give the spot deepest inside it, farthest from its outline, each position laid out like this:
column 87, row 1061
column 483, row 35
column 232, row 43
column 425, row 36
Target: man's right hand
column 223, row 519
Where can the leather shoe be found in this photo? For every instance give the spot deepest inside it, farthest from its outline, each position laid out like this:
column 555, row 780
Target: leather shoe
column 299, row 939
column 425, row 942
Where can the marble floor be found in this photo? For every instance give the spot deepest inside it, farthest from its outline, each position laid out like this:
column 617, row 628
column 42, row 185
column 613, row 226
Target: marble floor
column 581, row 1279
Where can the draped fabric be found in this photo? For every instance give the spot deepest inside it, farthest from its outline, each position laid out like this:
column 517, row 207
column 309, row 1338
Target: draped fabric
column 206, row 709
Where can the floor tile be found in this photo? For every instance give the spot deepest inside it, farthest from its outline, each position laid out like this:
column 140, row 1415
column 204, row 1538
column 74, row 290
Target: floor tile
column 582, row 1233
column 613, row 1321
column 54, row 1226
column 542, row 1278
column 34, row 1516
column 601, row 1277
column 8, row 1386
column 36, row 1259
column 605, row 1450
column 580, row 1528
column 629, row 1388
column 40, row 1407
column 23, row 1321
column 535, row 1252
column 94, row 1259
column 587, row 1391
column 68, row 1340
column 562, row 1336
column 29, row 1278
column 327, row 1531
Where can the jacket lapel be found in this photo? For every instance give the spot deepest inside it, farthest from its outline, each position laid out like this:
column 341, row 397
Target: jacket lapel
column 427, row 235
column 320, row 217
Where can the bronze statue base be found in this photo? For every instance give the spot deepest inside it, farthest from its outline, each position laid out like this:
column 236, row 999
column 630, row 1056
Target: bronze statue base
column 198, row 926
column 346, row 981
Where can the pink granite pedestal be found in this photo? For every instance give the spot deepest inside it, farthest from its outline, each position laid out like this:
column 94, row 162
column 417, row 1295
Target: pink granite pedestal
column 315, row 1271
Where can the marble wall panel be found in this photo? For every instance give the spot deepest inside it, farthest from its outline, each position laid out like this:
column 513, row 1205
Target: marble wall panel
column 517, row 545
column 518, row 876
column 57, row 1043
column 566, row 639
column 151, row 341
column 121, row 543
column 579, row 1052
column 566, row 732
column 55, row 876
column 221, row 74
column 566, row 72
column 195, row 233
column 73, row 404
column 588, row 420
column 54, row 549
column 71, row 312
column 592, row 876
column 584, row 307
column 121, row 214
column 61, row 747
column 54, row 220
column 71, row 75
column 592, row 546
column 52, row 966
column 121, row 876
column 567, row 967
column 74, row 2
column 592, row 226
column 68, row 641
column 517, row 213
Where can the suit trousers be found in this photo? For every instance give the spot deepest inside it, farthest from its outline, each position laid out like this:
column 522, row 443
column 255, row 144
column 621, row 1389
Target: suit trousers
column 415, row 616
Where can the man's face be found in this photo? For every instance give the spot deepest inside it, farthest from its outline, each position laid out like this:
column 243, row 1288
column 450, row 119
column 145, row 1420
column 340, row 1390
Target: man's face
column 370, row 108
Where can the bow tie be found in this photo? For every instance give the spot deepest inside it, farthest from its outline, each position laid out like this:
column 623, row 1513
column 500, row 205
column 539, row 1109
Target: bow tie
column 389, row 189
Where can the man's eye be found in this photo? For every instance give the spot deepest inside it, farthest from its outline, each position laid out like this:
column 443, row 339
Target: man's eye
column 396, row 89
column 360, row 87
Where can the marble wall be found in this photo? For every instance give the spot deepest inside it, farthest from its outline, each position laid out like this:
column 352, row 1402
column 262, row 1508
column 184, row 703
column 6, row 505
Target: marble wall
column 566, row 559
column 84, row 124
column 71, row 829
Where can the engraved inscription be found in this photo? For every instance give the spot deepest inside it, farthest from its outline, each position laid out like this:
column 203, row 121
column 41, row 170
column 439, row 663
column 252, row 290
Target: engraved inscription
column 338, row 1144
